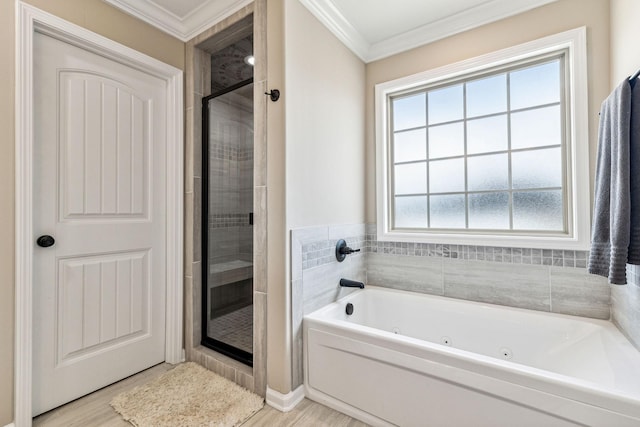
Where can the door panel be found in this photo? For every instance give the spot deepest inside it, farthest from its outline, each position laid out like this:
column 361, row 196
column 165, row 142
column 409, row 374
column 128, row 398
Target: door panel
column 102, row 302
column 104, row 150
column 99, row 189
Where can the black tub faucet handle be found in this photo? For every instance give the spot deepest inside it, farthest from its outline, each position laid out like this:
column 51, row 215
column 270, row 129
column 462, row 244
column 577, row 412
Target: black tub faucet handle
column 342, row 250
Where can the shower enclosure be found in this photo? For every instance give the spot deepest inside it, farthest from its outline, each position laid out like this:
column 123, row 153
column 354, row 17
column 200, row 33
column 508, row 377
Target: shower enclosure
column 227, row 229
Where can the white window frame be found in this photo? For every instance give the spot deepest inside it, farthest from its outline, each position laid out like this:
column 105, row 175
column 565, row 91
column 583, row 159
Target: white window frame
column 577, row 146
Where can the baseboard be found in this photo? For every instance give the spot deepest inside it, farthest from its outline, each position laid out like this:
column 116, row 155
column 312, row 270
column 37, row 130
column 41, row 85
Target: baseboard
column 10, row 425
column 284, row 402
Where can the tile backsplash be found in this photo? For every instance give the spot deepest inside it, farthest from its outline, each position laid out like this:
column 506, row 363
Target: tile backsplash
column 625, row 305
column 537, row 279
column 557, row 258
column 315, row 274
column 323, row 252
column 315, row 253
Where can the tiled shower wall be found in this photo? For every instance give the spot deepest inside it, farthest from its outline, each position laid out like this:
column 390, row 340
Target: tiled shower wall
column 230, row 178
column 198, row 73
column 536, row 279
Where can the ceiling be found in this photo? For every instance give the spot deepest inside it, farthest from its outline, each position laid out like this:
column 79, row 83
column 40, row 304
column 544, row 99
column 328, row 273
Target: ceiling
column 387, row 27
column 377, row 30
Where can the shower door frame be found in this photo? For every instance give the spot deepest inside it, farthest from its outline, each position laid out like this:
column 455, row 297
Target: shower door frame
column 212, row 343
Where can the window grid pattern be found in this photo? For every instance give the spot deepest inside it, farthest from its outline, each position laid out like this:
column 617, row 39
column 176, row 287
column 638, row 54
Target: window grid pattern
column 440, row 184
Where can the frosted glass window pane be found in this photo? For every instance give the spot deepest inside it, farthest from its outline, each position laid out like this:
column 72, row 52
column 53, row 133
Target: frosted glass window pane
column 535, row 128
column 446, row 140
column 535, row 85
column 487, row 96
column 409, row 146
column 488, row 172
column 537, row 168
column 489, row 211
column 411, row 178
column 411, row 212
column 447, row 211
column 538, row 210
column 445, row 104
column 409, row 112
column 486, row 135
column 446, row 176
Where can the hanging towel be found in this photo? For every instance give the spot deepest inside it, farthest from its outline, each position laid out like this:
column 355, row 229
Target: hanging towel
column 634, row 172
column 616, row 204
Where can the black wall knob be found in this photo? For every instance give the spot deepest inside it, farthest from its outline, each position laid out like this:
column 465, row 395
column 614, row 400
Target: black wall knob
column 45, row 241
column 273, row 94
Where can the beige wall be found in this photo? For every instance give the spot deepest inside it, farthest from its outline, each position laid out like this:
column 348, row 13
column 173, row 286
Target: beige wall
column 322, row 85
column 96, row 16
column 551, row 19
column 6, row 211
column 625, row 52
column 278, row 356
column 101, row 18
column 325, row 124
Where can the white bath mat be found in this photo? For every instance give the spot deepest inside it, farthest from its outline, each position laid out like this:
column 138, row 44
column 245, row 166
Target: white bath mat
column 187, row 396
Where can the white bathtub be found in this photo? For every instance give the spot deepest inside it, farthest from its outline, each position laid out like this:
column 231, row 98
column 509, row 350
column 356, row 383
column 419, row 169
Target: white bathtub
column 417, row 360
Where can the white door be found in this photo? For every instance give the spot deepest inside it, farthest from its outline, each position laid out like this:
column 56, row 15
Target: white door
column 99, row 191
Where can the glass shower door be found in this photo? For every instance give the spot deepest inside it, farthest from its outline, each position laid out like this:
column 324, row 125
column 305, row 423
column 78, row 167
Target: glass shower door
column 227, row 306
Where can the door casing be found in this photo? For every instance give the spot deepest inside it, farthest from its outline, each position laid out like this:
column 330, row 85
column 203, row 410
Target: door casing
column 29, row 20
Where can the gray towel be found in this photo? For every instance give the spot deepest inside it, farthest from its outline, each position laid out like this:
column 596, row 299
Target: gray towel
column 616, row 221
column 634, row 172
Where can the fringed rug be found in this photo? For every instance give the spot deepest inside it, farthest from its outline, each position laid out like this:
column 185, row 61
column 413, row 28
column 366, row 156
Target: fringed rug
column 187, row 396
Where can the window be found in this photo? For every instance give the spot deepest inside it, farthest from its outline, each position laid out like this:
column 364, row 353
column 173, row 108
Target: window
column 482, row 152
column 491, row 150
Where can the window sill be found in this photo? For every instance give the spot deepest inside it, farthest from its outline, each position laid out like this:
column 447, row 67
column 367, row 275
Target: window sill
column 509, row 241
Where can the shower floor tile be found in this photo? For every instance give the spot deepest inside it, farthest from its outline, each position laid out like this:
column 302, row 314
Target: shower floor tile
column 235, row 328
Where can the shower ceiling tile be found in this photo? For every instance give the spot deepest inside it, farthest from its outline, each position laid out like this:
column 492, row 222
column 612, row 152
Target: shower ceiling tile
column 228, row 67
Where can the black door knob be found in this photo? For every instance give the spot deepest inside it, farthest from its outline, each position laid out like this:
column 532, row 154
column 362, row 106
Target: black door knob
column 45, row 241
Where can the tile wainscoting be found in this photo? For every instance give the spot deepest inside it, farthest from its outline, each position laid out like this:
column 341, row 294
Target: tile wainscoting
column 537, row 279
column 625, row 305
column 315, row 274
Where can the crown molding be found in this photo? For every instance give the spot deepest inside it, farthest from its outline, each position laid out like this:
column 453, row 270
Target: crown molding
column 184, row 28
column 327, row 13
